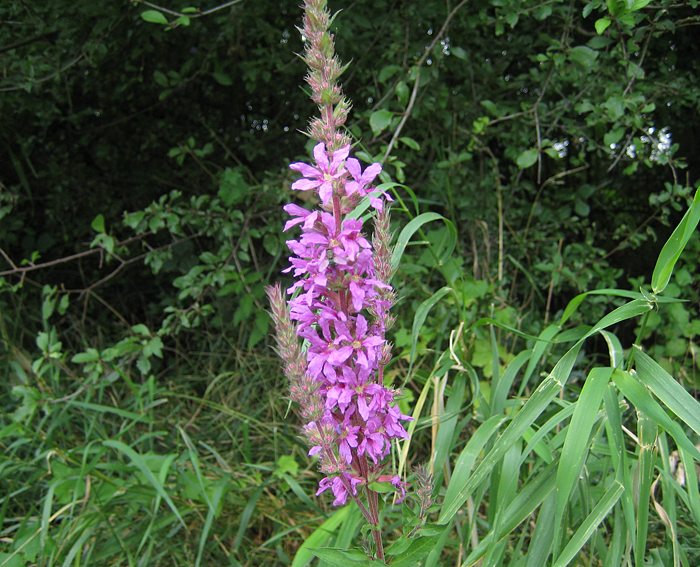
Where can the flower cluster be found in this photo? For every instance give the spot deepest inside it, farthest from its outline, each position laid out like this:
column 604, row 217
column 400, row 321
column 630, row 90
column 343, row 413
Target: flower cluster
column 339, row 306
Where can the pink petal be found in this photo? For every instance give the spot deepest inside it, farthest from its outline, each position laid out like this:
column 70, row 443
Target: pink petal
column 338, row 156
column 305, row 169
column 361, row 327
column 353, row 166
column 370, row 173
column 306, row 184
column 320, row 155
column 339, row 356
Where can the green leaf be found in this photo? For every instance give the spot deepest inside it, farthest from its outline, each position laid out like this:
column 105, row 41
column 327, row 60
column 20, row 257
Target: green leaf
column 465, row 462
column 321, row 535
column 675, row 245
column 613, row 136
column 98, row 224
column 527, row 158
column 640, row 398
column 245, row 517
column 448, row 422
column 517, row 510
column 584, row 56
column 639, row 4
column 410, row 142
column 419, row 320
column 535, row 406
column 380, row 120
column 674, row 396
column 577, row 442
column 232, row 187
column 592, row 521
column 335, row 557
column 416, row 552
column 126, row 414
column 459, row 53
column 601, row 25
column 154, row 17
column 223, row 79
column 414, row 225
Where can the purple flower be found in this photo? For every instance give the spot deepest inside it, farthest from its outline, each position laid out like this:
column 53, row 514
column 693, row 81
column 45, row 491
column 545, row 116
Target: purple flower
column 359, row 343
column 336, row 290
column 361, row 182
column 339, row 486
column 324, row 174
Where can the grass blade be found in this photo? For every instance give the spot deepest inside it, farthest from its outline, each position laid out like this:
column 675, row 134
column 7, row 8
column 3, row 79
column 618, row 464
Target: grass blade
column 586, row 529
column 640, row 398
column 140, row 464
column 416, row 224
column 521, row 507
column 577, row 442
column 419, row 319
column 467, row 458
column 646, row 431
column 674, row 396
column 674, row 246
column 320, row 536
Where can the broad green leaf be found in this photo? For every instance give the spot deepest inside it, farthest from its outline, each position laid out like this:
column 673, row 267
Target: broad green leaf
column 349, row 528
column 379, row 120
column 639, row 4
column 335, row 557
column 544, row 341
column 499, row 394
column 154, row 17
column 615, row 350
column 601, row 25
column 321, row 535
column 575, row 303
column 618, row 454
column 527, row 158
column 538, row 402
column 541, row 543
column 139, row 462
column 98, row 224
column 416, row 552
column 589, row 525
column 536, row 442
column 533, row 408
column 674, row 246
column 674, row 396
column 583, row 55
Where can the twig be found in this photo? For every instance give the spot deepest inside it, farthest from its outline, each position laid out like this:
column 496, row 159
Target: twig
column 416, row 83
column 33, row 267
column 195, row 15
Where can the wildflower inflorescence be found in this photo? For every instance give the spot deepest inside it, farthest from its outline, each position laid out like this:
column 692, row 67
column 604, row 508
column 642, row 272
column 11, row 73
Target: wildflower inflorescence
column 339, row 305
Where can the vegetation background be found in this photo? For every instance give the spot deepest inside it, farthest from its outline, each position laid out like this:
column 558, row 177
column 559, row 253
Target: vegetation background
column 144, row 152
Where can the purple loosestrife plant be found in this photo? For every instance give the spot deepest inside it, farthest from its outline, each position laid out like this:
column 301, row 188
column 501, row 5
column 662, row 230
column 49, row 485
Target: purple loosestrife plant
column 340, row 300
